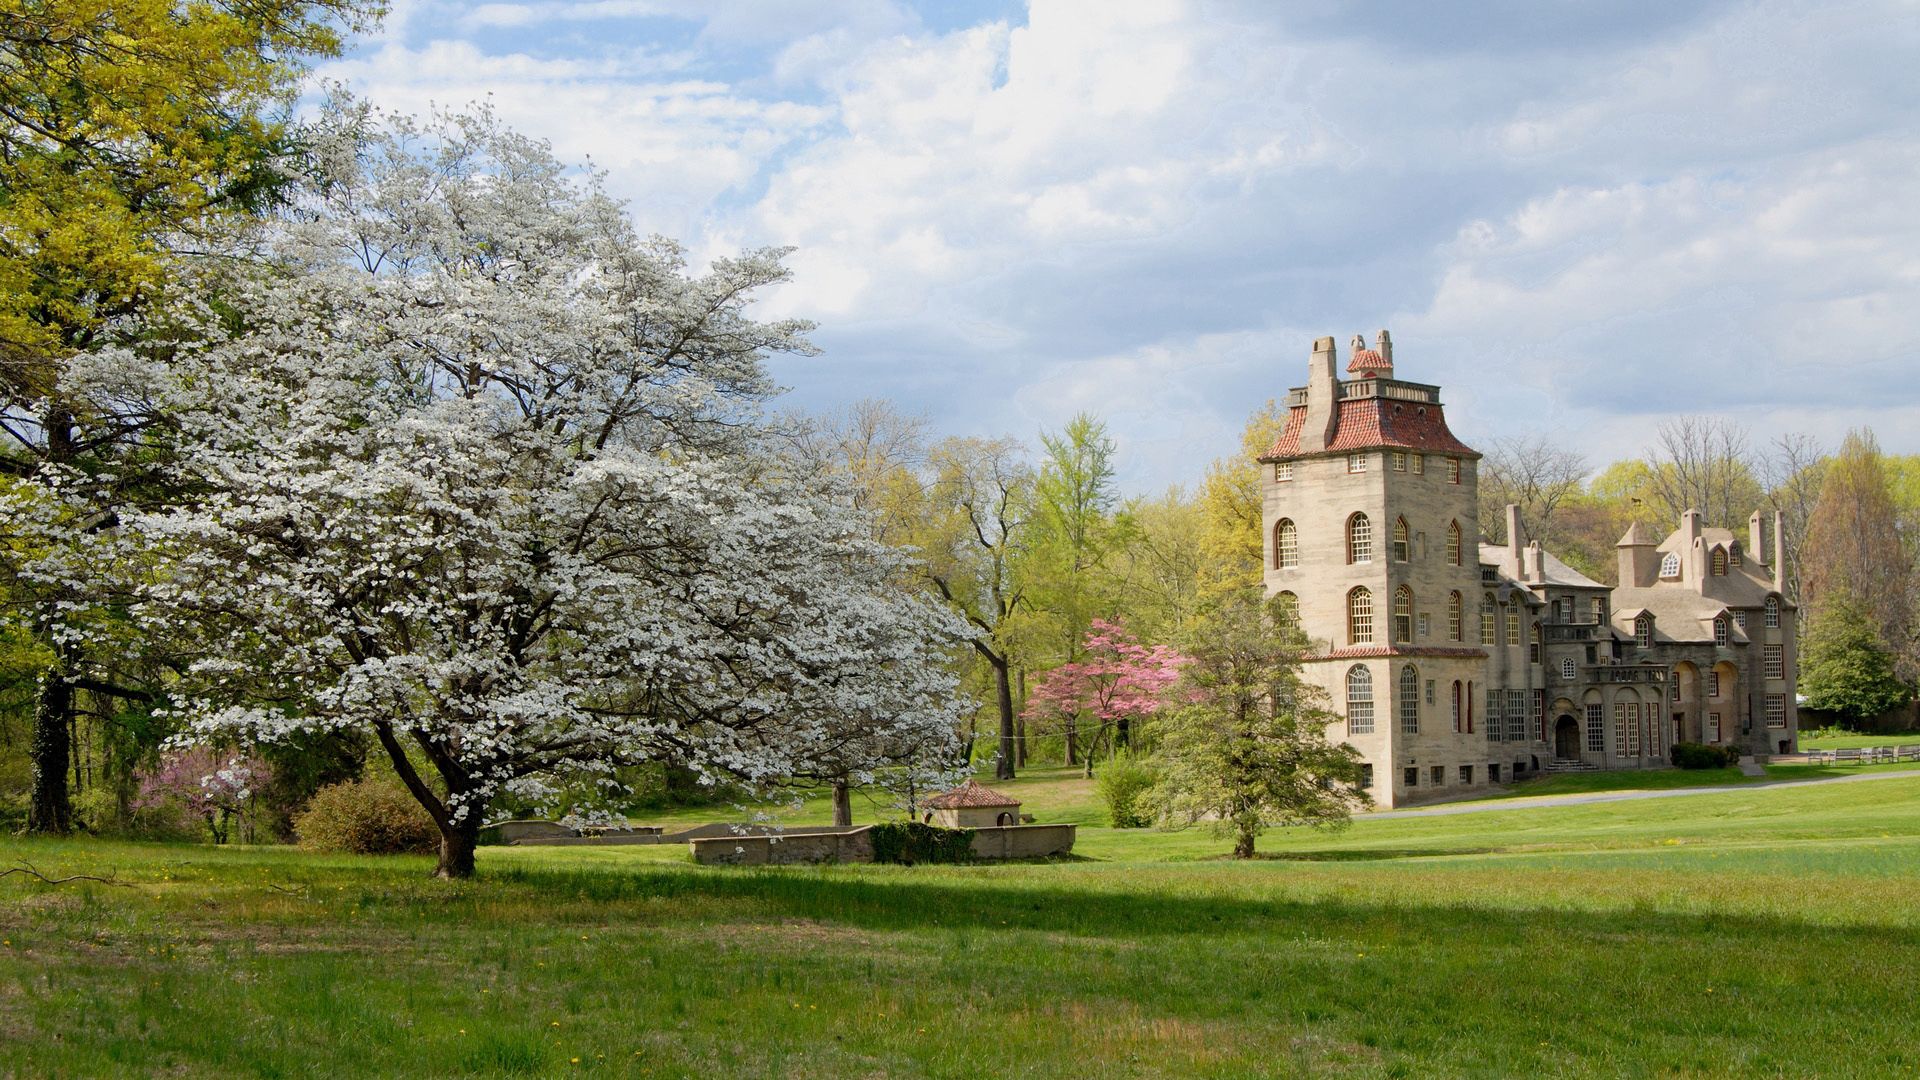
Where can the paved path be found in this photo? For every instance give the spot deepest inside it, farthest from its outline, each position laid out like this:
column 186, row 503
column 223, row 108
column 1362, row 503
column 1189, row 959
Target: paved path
column 1527, row 803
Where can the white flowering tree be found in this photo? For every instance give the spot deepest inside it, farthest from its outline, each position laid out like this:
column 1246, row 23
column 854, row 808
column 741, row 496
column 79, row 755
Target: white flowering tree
column 482, row 472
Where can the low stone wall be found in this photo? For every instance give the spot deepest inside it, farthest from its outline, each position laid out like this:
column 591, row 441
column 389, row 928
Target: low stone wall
column 1023, row 841
column 816, row 847
column 992, row 843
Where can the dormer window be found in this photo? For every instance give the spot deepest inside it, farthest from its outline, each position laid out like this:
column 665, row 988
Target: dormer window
column 1643, row 631
column 1719, row 562
column 1670, row 565
column 1720, row 631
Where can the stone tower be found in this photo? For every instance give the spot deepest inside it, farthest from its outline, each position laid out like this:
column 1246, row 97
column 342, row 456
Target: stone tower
column 1370, row 509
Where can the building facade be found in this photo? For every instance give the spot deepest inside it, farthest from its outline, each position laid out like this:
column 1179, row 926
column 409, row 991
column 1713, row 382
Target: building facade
column 1457, row 664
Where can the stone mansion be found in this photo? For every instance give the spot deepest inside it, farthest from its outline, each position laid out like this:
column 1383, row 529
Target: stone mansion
column 1459, row 664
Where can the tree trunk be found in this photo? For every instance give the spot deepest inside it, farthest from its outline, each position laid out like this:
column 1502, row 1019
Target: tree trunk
column 1073, row 757
column 1003, row 767
column 457, row 842
column 51, row 811
column 1020, row 725
column 1243, row 846
column 842, row 803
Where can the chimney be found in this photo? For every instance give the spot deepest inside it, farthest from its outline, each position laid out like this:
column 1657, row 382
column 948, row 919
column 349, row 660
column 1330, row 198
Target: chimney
column 1757, row 538
column 1536, row 567
column 1383, row 345
column 1323, row 404
column 1516, row 539
column 1779, row 552
column 1690, row 524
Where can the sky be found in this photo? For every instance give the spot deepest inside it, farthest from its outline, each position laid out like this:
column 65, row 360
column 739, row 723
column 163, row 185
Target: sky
column 1581, row 219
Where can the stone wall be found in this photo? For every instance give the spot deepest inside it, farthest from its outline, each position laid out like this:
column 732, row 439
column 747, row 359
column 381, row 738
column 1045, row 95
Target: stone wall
column 991, row 843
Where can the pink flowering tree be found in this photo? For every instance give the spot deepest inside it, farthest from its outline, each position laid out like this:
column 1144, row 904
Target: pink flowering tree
column 1117, row 680
column 218, row 788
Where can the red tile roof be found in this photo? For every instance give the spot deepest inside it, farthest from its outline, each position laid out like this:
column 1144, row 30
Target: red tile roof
column 1366, row 363
column 969, row 794
column 1370, row 423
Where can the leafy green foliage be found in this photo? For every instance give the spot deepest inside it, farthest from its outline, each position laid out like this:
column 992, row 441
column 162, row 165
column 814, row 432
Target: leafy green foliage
column 911, row 842
column 1125, row 785
column 1687, row 755
column 366, row 817
column 1845, row 666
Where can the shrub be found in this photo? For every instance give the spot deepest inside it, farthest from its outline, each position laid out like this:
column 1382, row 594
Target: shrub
column 366, row 817
column 1124, row 785
column 912, row 842
column 1689, row 755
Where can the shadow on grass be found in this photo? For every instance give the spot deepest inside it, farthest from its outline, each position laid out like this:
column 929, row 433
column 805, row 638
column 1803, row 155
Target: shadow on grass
column 1368, row 854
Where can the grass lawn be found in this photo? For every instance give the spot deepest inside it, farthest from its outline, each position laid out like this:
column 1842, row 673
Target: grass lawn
column 1841, row 742
column 1766, row 931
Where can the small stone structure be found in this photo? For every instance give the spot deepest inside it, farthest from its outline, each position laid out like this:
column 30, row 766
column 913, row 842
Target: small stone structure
column 989, row 843
column 971, row 806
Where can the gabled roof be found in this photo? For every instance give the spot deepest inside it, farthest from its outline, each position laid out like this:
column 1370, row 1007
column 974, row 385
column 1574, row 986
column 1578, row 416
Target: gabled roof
column 969, row 794
column 1373, row 423
column 1635, row 537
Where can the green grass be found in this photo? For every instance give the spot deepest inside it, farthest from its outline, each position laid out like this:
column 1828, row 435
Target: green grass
column 1841, row 742
column 1768, row 931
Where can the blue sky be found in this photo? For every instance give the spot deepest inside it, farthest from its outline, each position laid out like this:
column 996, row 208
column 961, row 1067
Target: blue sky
column 1579, row 218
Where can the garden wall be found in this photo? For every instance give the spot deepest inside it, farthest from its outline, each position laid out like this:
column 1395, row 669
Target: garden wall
column 991, row 843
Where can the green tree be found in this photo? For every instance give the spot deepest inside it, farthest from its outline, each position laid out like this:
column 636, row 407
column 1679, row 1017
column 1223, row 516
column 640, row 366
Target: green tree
column 1231, row 512
column 1249, row 749
column 1846, row 668
column 131, row 131
column 1855, row 554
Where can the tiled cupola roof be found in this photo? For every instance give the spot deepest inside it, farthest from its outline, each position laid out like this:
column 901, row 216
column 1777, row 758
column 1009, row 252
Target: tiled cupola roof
column 969, row 794
column 1370, row 423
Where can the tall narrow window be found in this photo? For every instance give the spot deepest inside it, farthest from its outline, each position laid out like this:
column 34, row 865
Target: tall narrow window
column 1713, row 683
column 1360, row 617
column 1419, row 464
column 1775, row 659
column 1453, row 470
column 1359, row 539
column 1719, row 562
column 1533, row 645
column 1286, row 545
column 1359, row 701
column 1457, row 729
column 1599, row 610
column 1454, row 604
column 1642, row 631
column 1410, row 700
column 1596, row 729
column 1496, row 717
column 1286, row 608
column 1453, row 543
column 1720, row 631
column 1566, row 668
column 1513, row 622
column 1403, row 614
column 1402, row 541
column 1772, row 620
column 1776, row 710
column 1487, row 628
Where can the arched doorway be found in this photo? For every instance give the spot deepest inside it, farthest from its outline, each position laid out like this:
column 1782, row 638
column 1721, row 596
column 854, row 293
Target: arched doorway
column 1566, row 738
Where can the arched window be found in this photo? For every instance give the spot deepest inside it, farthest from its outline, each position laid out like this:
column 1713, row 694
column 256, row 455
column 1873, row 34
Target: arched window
column 1359, row 700
column 1772, row 620
column 1720, row 631
column 1286, row 545
column 1669, row 564
column 1719, row 562
column 1410, row 700
column 1566, row 668
column 1359, row 539
column 1533, row 645
column 1403, row 614
column 1360, row 617
column 1487, row 627
column 1454, row 604
column 1457, row 729
column 1402, row 542
column 1453, row 543
column 1642, row 631
column 1286, row 608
